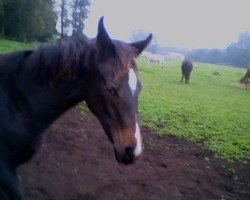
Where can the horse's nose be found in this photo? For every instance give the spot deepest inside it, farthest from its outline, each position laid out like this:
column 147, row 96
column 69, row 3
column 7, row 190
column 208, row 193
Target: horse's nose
column 127, row 157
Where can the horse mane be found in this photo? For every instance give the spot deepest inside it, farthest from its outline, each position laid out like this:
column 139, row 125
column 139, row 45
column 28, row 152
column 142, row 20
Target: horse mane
column 49, row 63
column 65, row 59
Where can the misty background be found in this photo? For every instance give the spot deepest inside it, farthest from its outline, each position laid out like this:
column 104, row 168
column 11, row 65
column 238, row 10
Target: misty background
column 214, row 31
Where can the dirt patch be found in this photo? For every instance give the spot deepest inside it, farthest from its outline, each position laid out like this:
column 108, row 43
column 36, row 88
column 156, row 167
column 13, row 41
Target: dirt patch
column 76, row 162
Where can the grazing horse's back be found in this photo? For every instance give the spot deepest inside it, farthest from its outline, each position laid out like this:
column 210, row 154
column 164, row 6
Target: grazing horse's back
column 186, row 68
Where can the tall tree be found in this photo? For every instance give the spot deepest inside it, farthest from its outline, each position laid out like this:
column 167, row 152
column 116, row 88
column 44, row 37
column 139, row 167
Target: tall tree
column 79, row 14
column 65, row 22
column 1, row 17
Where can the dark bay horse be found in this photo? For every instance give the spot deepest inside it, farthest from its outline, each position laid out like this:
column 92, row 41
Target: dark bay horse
column 186, row 68
column 246, row 78
column 38, row 86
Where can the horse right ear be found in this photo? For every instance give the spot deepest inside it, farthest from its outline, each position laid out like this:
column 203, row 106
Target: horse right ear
column 141, row 45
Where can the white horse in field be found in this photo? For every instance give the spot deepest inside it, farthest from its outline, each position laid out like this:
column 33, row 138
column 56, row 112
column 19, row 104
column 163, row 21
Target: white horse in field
column 150, row 57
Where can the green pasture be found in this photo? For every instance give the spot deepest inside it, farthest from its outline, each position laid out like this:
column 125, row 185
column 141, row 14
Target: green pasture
column 8, row 46
column 211, row 109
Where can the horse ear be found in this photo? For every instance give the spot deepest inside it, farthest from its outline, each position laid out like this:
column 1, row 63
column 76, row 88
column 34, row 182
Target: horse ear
column 103, row 41
column 141, row 45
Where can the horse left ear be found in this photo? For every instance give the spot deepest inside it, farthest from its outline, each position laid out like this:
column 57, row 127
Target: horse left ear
column 141, row 45
column 104, row 43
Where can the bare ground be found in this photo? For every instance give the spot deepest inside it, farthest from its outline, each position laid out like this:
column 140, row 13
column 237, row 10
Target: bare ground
column 76, row 162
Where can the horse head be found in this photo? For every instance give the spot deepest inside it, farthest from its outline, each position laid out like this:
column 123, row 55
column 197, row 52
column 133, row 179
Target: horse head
column 113, row 93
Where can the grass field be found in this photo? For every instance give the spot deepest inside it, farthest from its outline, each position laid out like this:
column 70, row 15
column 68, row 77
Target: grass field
column 7, row 46
column 210, row 109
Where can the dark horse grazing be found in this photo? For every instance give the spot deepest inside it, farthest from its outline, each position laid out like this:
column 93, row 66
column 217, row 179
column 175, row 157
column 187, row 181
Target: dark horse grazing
column 186, row 68
column 37, row 86
column 246, row 78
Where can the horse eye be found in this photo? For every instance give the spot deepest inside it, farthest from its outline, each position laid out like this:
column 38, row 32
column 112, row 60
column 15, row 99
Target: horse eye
column 111, row 89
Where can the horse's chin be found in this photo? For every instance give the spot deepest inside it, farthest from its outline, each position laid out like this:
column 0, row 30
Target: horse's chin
column 125, row 162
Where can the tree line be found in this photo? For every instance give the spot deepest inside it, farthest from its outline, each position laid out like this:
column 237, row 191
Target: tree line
column 35, row 20
column 236, row 54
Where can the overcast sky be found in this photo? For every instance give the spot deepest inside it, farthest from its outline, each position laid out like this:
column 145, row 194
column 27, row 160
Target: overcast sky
column 180, row 23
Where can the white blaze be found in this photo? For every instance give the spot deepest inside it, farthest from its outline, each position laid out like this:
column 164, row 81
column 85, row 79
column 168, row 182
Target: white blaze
column 132, row 81
column 138, row 148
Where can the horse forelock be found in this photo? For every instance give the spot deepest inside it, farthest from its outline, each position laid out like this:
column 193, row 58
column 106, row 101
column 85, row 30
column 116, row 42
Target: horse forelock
column 124, row 59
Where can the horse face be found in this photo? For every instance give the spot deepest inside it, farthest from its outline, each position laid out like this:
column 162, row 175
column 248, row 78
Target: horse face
column 114, row 94
column 115, row 103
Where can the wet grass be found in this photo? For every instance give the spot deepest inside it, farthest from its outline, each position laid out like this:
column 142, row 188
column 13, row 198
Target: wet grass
column 210, row 109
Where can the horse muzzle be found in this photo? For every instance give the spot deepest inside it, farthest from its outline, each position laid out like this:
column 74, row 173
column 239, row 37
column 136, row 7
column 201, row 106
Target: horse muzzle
column 127, row 156
column 127, row 144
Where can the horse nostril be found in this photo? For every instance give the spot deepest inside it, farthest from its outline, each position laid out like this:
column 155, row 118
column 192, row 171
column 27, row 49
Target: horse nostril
column 129, row 151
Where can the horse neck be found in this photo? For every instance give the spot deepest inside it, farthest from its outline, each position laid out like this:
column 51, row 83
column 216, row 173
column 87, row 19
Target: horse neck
column 46, row 89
